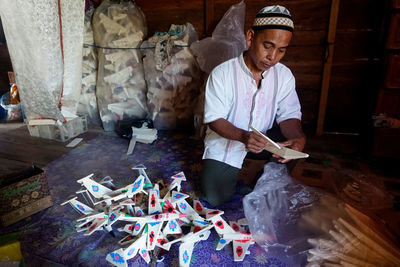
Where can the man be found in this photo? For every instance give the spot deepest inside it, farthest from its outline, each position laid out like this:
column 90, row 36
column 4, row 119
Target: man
column 253, row 89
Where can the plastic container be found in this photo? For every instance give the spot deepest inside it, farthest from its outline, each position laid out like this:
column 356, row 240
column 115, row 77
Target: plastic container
column 60, row 132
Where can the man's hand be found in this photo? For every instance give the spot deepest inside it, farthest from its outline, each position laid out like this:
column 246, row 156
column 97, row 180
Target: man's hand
column 295, row 144
column 292, row 130
column 254, row 143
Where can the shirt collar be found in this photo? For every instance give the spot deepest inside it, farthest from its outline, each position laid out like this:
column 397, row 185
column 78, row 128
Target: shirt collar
column 247, row 70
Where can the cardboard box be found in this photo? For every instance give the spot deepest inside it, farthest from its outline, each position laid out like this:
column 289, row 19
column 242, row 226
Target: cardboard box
column 23, row 194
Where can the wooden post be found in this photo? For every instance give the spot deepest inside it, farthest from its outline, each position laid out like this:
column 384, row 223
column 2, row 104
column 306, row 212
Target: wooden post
column 208, row 16
column 326, row 77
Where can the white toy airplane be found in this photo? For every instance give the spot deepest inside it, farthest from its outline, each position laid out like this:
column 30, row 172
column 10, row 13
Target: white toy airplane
column 281, row 151
column 102, row 193
column 241, row 240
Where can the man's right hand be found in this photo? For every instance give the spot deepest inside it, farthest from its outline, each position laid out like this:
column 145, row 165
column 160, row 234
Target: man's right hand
column 254, row 143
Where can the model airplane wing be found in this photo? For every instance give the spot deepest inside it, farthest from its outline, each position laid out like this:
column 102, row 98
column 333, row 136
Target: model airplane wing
column 145, row 255
column 179, row 176
column 96, row 224
column 152, row 234
column 136, row 187
column 168, row 207
column 281, row 151
column 185, row 253
column 221, row 226
column 117, row 258
column 96, row 189
column 187, row 245
column 185, row 208
column 154, row 203
column 177, row 196
column 79, row 206
column 172, row 227
column 134, row 248
column 240, row 248
column 198, row 207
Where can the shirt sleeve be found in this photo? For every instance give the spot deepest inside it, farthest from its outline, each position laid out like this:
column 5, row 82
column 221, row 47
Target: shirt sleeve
column 288, row 101
column 216, row 103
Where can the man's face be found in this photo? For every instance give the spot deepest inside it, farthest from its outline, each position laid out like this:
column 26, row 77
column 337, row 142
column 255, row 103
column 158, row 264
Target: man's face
column 267, row 47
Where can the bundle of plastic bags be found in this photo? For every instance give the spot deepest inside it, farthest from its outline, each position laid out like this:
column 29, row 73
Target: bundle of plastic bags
column 173, row 77
column 119, row 29
column 312, row 227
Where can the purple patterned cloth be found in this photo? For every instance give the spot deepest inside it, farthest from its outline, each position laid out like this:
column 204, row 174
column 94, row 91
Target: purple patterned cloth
column 49, row 237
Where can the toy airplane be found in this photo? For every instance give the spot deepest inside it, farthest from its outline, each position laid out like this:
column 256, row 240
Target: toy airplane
column 102, row 193
column 281, row 151
column 241, row 240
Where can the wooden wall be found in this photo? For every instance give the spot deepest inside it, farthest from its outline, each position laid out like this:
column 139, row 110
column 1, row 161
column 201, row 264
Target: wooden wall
column 356, row 61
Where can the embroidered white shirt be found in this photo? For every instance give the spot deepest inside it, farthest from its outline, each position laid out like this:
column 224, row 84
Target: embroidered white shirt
column 232, row 94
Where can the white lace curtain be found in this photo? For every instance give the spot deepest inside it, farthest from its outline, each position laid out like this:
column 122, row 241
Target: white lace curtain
column 47, row 79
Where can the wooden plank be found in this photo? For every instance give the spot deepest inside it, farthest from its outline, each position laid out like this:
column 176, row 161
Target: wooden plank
column 301, row 11
column 209, row 17
column 388, row 102
column 392, row 78
column 348, row 48
column 8, row 166
column 161, row 14
column 328, row 64
column 18, row 148
column 40, row 156
column 393, row 40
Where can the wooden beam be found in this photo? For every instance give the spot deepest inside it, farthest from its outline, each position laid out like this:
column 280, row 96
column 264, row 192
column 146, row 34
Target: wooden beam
column 326, row 77
column 208, row 17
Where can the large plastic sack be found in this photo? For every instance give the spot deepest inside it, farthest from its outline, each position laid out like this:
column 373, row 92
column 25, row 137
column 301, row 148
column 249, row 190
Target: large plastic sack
column 312, row 227
column 227, row 41
column 119, row 29
column 47, row 66
column 88, row 101
column 173, row 77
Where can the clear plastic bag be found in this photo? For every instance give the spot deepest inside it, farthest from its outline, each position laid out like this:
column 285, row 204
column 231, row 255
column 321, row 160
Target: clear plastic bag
column 274, row 209
column 227, row 41
column 312, row 227
column 173, row 77
column 119, row 29
column 88, row 101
